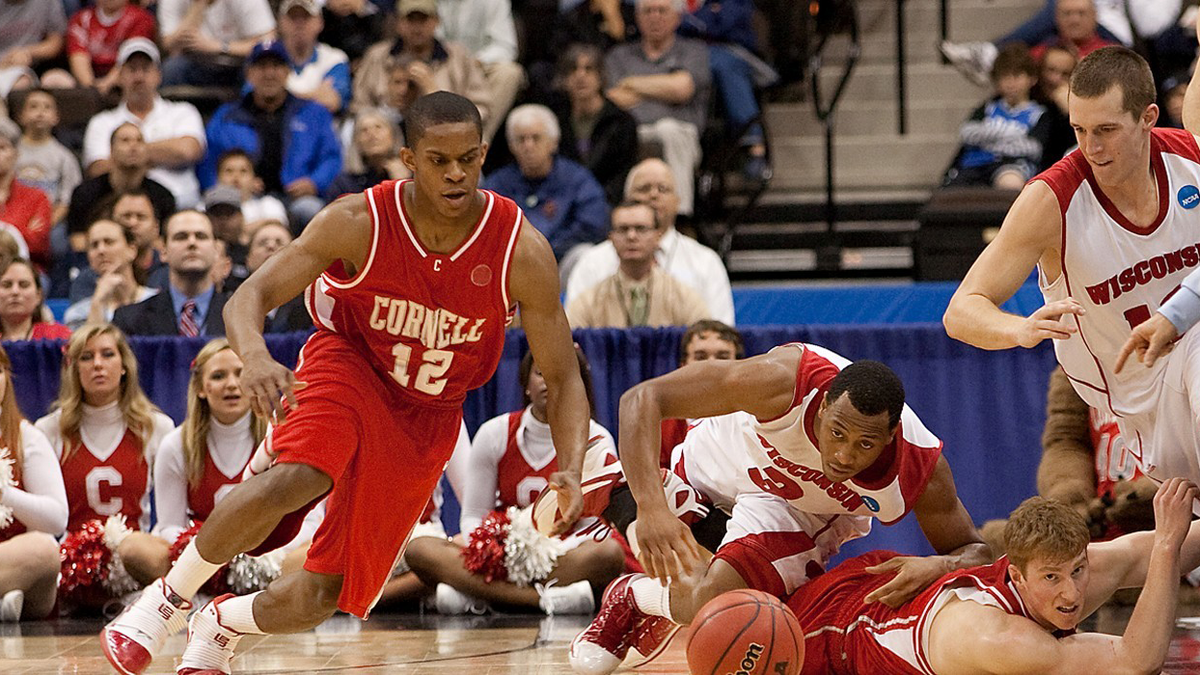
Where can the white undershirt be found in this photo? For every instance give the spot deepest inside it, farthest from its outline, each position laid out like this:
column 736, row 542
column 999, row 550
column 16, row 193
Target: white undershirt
column 229, row 446
column 41, row 501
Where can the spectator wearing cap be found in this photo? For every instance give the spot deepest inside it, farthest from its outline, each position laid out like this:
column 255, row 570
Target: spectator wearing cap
column 191, row 306
column 24, row 210
column 223, row 205
column 173, row 131
column 320, row 73
column 560, row 197
column 1173, row 90
column 128, row 169
column 292, row 141
column 433, row 65
column 94, row 36
column 486, row 28
column 207, row 40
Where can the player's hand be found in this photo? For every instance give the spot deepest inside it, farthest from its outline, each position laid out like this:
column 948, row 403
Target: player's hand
column 913, row 575
column 570, row 500
column 1048, row 323
column 666, row 547
column 1151, row 339
column 1173, row 511
column 268, row 383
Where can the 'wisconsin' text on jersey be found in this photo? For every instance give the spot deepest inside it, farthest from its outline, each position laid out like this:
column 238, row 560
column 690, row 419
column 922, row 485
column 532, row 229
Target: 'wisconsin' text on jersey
column 436, row 328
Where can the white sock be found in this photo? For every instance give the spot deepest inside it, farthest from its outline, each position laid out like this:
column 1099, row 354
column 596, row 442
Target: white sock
column 190, row 572
column 237, row 614
column 652, row 597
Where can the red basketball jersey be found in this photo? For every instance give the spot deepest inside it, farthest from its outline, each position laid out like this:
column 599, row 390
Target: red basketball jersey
column 431, row 323
column 97, row 489
column 845, row 635
column 213, row 486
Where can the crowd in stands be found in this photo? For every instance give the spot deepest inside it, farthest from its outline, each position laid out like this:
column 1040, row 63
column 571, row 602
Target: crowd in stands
column 1023, row 127
column 145, row 144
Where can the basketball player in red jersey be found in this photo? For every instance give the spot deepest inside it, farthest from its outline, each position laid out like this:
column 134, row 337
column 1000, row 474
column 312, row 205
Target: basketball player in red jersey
column 1018, row 615
column 410, row 286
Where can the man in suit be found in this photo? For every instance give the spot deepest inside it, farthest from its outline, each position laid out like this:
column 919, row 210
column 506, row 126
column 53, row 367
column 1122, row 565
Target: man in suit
column 191, row 305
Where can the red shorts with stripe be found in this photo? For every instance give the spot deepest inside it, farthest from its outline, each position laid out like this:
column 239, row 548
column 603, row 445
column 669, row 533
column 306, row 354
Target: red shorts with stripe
column 384, row 453
column 827, row 606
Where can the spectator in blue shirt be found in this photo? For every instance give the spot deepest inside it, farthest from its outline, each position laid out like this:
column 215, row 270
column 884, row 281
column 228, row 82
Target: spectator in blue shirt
column 559, row 197
column 292, row 142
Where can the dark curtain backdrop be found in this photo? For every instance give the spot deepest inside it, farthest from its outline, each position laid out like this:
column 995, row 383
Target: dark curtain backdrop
column 988, row 407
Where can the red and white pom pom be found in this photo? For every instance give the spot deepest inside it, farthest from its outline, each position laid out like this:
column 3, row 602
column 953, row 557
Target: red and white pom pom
column 6, row 481
column 507, row 547
column 91, row 571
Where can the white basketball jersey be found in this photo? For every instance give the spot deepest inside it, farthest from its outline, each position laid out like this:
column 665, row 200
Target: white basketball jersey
column 1122, row 273
column 736, row 453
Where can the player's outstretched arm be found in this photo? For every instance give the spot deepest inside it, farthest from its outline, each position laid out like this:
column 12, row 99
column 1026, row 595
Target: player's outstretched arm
column 763, row 386
column 533, row 282
column 1031, row 229
column 341, row 230
column 950, row 531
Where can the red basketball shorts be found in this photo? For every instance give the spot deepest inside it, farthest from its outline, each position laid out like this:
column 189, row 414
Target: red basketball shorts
column 384, row 453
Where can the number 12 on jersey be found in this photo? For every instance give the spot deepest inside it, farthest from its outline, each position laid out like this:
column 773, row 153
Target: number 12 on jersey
column 430, row 376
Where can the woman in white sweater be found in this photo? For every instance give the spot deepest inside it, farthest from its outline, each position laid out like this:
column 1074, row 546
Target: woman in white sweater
column 37, row 505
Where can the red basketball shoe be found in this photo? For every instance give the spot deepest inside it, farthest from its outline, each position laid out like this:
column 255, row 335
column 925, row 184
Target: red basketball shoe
column 132, row 640
column 605, row 644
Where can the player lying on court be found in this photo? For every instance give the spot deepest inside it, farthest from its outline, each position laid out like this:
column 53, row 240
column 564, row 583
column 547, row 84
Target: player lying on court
column 1018, row 615
column 803, row 449
column 410, row 285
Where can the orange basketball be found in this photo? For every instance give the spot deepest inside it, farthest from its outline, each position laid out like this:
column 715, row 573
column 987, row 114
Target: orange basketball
column 747, row 633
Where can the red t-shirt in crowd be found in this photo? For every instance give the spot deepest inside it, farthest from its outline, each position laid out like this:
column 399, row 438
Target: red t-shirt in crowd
column 49, row 330
column 28, row 212
column 90, row 33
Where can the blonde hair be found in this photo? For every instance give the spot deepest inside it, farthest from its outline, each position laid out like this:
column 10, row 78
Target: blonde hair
column 1044, row 529
column 10, row 417
column 137, row 410
column 199, row 416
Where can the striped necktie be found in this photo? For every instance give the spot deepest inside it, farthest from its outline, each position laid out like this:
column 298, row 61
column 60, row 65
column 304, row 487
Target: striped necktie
column 187, row 320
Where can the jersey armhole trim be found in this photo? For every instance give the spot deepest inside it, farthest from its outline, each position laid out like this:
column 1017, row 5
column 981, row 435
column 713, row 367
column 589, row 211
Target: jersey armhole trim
column 508, row 255
column 357, row 278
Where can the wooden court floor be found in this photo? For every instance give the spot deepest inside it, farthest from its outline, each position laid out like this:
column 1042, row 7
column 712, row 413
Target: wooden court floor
column 410, row 644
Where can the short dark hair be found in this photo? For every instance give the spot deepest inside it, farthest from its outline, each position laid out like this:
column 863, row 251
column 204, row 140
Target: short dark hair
column 29, row 94
column 1014, row 59
column 634, row 204
column 112, row 138
column 1110, row 67
column 724, row 332
column 585, row 373
column 440, row 107
column 231, row 154
column 873, row 388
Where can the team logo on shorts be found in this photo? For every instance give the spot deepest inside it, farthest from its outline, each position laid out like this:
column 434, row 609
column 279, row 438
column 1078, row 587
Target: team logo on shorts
column 481, row 275
column 1189, row 196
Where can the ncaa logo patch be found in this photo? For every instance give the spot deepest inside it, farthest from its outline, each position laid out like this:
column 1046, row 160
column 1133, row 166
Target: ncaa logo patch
column 1189, row 196
column 871, row 504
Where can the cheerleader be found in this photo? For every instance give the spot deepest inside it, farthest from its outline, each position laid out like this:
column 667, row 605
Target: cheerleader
column 508, row 464
column 104, row 432
column 200, row 462
column 33, row 510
